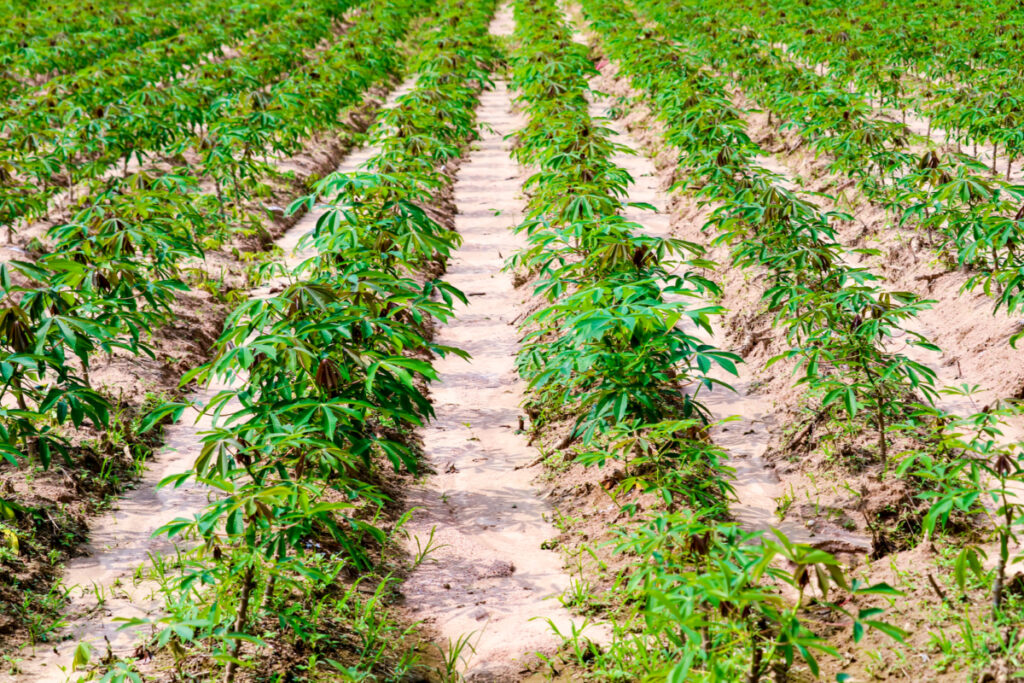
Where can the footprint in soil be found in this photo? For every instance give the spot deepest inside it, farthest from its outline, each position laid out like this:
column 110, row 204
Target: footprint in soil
column 498, row 569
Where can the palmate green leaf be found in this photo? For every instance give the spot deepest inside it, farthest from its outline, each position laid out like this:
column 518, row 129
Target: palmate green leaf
column 894, row 632
column 681, row 670
column 848, row 396
column 10, row 509
column 81, row 657
column 398, row 366
column 177, row 480
column 967, row 559
column 234, row 524
column 167, row 411
column 330, row 422
column 443, row 351
column 938, row 511
column 321, row 508
column 301, row 204
column 398, row 454
column 174, row 528
column 183, row 631
column 850, row 401
column 877, row 589
column 726, row 360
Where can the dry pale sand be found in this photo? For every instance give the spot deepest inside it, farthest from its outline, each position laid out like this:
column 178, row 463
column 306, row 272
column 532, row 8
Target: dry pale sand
column 488, row 578
column 102, row 584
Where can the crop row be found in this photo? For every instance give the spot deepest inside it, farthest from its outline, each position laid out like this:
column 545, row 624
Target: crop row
column 110, row 275
column 965, row 81
column 328, row 377
column 88, row 123
column 840, row 322
column 119, row 75
column 944, row 194
column 608, row 347
column 71, row 36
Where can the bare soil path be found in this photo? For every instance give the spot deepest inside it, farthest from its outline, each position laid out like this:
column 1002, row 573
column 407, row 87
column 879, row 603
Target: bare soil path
column 102, row 584
column 488, row 577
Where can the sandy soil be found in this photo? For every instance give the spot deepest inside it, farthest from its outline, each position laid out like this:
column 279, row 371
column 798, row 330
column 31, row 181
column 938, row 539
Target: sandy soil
column 103, row 584
column 488, row 578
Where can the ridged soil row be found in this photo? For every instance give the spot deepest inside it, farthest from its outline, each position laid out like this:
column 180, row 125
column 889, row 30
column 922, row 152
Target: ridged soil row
column 753, row 418
column 488, row 577
column 106, row 583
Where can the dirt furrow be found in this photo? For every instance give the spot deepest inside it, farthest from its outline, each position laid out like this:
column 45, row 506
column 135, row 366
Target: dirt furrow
column 114, row 580
column 749, row 419
column 752, row 420
column 487, row 577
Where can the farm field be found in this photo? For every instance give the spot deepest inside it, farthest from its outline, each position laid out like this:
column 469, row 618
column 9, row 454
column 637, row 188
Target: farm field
column 511, row 340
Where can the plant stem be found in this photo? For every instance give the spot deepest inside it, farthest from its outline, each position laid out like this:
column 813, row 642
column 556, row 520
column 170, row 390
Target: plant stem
column 243, row 609
column 1004, row 553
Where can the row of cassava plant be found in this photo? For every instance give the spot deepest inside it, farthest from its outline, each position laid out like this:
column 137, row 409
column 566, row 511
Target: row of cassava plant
column 112, row 272
column 948, row 195
column 25, row 21
column 605, row 351
column 57, row 38
column 328, row 380
column 920, row 40
column 966, row 466
column 840, row 322
column 110, row 285
column 147, row 107
column 154, row 62
column 971, row 88
column 985, row 464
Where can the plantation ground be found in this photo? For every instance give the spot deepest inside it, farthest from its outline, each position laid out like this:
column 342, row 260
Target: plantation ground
column 673, row 353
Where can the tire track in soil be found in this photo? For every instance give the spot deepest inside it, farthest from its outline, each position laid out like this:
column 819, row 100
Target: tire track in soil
column 102, row 585
column 487, row 577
